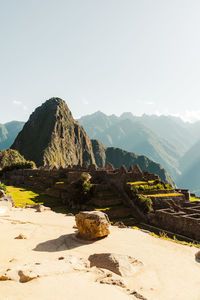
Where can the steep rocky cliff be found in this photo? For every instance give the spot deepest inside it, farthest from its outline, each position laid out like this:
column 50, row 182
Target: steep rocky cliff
column 51, row 137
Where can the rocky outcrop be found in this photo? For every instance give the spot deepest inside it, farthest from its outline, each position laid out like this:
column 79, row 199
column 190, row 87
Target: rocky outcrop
column 122, row 265
column 92, row 224
column 52, row 138
column 99, row 153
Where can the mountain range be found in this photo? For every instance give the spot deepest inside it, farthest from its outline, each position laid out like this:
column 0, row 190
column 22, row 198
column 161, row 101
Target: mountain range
column 166, row 140
column 51, row 137
column 8, row 133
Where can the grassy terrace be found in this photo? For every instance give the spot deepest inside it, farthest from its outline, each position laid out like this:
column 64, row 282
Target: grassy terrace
column 194, row 199
column 23, row 197
column 165, row 195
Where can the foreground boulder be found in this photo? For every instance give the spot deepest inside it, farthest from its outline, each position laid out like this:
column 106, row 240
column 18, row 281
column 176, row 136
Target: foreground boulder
column 92, row 224
column 122, row 265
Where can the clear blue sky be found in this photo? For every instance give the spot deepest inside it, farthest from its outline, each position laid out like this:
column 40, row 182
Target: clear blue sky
column 141, row 56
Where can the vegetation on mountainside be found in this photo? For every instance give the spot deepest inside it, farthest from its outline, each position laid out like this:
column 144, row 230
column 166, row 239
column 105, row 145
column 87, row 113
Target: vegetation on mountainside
column 12, row 159
column 118, row 157
column 51, row 137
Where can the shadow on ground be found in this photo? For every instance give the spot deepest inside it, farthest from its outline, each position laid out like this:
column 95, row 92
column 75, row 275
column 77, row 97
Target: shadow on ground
column 64, row 242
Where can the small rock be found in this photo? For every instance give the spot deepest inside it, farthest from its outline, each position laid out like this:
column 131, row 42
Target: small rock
column 120, row 224
column 197, row 256
column 2, row 193
column 20, row 237
column 61, row 258
column 69, row 215
column 112, row 281
column 26, row 276
column 137, row 295
column 4, row 277
column 92, row 224
column 122, row 265
column 40, row 208
column 12, row 260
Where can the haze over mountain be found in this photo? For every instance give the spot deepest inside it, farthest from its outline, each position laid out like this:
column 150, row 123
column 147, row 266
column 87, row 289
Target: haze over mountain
column 173, row 129
column 165, row 139
column 190, row 164
column 51, row 137
column 8, row 133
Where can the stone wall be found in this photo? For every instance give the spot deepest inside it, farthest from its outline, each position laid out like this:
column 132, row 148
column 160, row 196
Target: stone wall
column 185, row 221
column 25, row 177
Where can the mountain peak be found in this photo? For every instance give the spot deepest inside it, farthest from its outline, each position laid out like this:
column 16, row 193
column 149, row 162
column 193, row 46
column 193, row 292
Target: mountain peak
column 52, row 137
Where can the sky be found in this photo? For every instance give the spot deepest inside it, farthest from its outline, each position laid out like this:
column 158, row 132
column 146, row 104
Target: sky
column 116, row 56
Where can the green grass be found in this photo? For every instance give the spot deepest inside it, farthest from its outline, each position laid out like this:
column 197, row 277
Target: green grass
column 136, row 182
column 165, row 195
column 162, row 235
column 194, row 199
column 23, row 197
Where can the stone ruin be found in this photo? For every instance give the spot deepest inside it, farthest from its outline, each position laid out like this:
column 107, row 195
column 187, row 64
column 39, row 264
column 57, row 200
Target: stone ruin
column 120, row 176
column 175, row 213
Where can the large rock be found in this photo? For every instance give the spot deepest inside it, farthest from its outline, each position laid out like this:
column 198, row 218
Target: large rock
column 92, row 224
column 122, row 265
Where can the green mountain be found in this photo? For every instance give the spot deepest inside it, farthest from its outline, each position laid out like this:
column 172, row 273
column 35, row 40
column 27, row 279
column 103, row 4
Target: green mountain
column 8, row 133
column 118, row 157
column 10, row 157
column 51, row 137
column 132, row 136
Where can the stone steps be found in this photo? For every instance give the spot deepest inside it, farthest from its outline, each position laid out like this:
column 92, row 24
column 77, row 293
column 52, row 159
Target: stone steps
column 117, row 212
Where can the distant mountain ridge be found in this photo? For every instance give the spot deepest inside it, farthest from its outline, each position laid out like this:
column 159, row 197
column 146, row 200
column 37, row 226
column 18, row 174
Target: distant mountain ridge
column 8, row 133
column 51, row 137
column 164, row 139
column 190, row 162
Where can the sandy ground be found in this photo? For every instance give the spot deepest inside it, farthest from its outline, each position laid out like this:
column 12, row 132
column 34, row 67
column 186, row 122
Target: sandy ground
column 169, row 270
